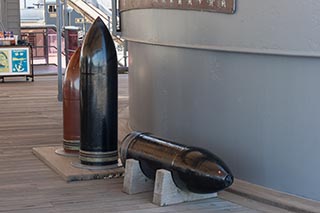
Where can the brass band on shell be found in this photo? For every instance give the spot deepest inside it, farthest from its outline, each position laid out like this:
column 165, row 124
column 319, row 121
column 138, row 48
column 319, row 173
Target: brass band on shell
column 71, row 145
column 101, row 158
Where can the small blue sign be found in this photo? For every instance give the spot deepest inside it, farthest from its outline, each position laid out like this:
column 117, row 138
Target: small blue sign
column 19, row 61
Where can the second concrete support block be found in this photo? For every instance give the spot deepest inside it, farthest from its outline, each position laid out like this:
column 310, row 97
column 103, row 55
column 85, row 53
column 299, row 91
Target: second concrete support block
column 165, row 192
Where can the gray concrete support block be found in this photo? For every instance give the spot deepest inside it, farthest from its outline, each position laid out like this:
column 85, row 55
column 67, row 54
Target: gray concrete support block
column 167, row 193
column 134, row 179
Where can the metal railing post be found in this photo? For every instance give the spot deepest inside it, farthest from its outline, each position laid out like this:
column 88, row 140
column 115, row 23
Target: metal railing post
column 115, row 24
column 125, row 50
column 59, row 52
column 46, row 46
column 65, row 16
column 109, row 23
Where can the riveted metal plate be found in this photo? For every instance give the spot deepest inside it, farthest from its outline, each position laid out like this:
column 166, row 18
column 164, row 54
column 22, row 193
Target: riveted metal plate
column 218, row 6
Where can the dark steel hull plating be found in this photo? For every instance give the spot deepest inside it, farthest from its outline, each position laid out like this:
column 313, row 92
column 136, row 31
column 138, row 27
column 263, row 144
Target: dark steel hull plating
column 71, row 105
column 98, row 97
column 193, row 169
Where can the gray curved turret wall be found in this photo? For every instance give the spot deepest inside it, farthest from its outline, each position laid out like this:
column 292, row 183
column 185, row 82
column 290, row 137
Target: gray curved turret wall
column 245, row 86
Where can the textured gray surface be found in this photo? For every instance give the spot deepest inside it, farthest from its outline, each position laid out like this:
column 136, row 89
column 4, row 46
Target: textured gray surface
column 286, row 26
column 260, row 113
column 10, row 16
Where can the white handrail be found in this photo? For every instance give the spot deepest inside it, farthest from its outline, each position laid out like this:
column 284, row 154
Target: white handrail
column 91, row 13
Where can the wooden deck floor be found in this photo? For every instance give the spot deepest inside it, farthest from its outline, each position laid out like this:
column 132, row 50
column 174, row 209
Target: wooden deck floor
column 31, row 116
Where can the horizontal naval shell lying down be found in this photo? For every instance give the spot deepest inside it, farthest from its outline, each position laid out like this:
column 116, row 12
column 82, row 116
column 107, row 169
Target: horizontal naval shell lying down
column 193, row 169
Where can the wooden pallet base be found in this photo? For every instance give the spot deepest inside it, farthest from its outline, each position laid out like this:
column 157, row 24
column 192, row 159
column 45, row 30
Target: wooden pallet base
column 63, row 166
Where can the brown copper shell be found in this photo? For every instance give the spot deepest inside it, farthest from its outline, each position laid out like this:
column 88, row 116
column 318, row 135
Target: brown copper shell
column 71, row 104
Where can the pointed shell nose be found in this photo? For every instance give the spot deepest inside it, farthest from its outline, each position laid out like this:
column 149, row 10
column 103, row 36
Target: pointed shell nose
column 228, row 180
